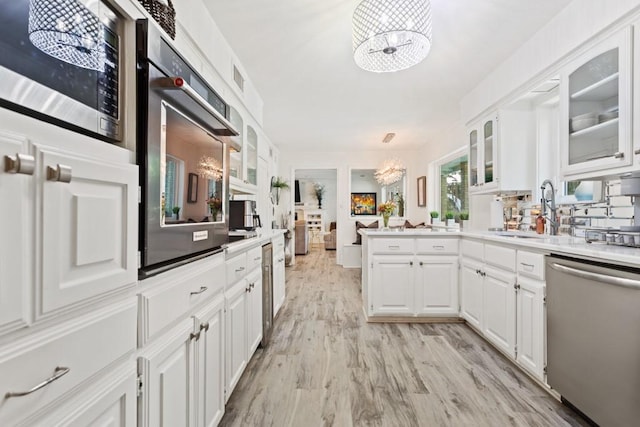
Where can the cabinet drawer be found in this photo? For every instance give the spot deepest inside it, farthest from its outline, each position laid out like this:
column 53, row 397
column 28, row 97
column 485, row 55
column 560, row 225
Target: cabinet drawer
column 531, row 264
column 236, row 268
column 278, row 243
column 392, row 246
column 84, row 347
column 500, row 256
column 172, row 295
column 254, row 258
column 437, row 246
column 473, row 249
column 278, row 256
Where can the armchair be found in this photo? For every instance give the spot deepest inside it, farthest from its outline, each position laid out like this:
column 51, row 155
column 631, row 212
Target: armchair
column 330, row 238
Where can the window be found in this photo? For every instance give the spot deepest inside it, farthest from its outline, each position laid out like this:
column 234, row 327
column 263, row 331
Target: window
column 454, row 185
column 173, row 184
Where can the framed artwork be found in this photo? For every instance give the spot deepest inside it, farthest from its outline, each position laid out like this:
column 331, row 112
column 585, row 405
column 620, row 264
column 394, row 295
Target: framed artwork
column 363, row 204
column 192, row 193
column 422, row 191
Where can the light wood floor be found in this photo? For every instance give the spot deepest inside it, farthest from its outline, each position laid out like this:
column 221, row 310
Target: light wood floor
column 325, row 366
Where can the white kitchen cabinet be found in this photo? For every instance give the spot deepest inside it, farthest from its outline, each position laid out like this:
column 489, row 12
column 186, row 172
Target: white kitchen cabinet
column 243, row 164
column 437, row 285
column 254, row 314
column 209, row 324
column 236, row 349
column 596, row 109
column 14, row 227
column 531, row 336
column 499, row 309
column 393, row 285
column 471, row 293
column 167, row 375
column 501, row 149
column 87, row 230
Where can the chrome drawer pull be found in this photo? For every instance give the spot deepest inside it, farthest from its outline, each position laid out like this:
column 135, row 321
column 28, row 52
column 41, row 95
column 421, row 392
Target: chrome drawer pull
column 202, row 289
column 637, row 151
column 239, row 269
column 527, row 266
column 20, row 163
column 60, row 173
column 257, row 258
column 394, row 247
column 438, row 247
column 59, row 372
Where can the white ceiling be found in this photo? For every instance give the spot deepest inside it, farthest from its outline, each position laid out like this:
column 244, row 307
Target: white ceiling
column 298, row 55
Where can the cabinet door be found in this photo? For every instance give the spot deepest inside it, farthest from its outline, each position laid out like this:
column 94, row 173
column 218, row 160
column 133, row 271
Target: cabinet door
column 531, row 335
column 490, row 153
column 168, row 397
column 252, row 156
column 437, row 285
column 210, row 363
column 471, row 293
column 393, row 285
column 474, row 158
column 236, row 334
column 278, row 282
column 596, row 108
column 15, row 259
column 236, row 164
column 499, row 309
column 255, row 313
column 87, row 228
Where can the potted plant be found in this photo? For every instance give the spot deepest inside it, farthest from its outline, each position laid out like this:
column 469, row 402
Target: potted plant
column 435, row 217
column 319, row 190
column 386, row 209
column 277, row 185
column 450, row 221
column 464, row 220
column 215, row 205
column 176, row 212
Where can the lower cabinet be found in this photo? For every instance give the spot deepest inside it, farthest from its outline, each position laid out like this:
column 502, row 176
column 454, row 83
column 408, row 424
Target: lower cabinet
column 410, row 286
column 530, row 336
column 499, row 309
column 278, row 281
column 471, row 293
column 236, row 334
column 254, row 314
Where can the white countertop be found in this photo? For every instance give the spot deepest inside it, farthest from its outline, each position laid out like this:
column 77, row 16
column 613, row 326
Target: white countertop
column 262, row 237
column 564, row 245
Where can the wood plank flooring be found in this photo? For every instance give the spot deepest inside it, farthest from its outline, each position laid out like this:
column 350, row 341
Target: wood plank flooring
column 325, row 366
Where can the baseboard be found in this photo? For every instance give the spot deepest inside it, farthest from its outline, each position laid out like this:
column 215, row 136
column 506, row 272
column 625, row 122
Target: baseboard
column 414, row 320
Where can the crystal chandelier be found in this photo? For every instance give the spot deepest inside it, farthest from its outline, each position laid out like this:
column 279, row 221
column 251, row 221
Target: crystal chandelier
column 391, row 35
column 209, row 168
column 68, row 31
column 391, row 171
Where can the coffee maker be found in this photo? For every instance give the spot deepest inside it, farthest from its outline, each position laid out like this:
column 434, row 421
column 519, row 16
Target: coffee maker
column 243, row 216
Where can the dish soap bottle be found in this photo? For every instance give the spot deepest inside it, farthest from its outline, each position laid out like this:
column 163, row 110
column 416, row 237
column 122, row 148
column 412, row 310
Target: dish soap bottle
column 540, row 221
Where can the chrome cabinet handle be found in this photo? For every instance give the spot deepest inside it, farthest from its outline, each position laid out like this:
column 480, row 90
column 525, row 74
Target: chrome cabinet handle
column 239, row 269
column 20, row 163
column 61, row 173
column 604, row 278
column 257, row 258
column 252, row 285
column 411, row 263
column 394, row 247
column 527, row 266
column 202, row 289
column 637, row 151
column 204, row 326
column 421, row 263
column 438, row 247
column 195, row 336
column 618, row 155
column 58, row 373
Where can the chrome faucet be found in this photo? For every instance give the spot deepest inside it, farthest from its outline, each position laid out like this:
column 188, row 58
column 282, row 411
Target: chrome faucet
column 551, row 204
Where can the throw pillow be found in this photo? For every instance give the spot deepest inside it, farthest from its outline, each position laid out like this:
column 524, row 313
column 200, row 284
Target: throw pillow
column 360, row 225
column 407, row 224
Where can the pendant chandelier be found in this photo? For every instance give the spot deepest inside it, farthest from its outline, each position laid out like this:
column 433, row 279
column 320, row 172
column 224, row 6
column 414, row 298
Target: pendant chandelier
column 391, row 171
column 68, row 31
column 209, row 168
column 391, row 35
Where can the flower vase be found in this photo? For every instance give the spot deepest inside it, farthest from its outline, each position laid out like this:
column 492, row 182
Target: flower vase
column 385, row 220
column 319, row 203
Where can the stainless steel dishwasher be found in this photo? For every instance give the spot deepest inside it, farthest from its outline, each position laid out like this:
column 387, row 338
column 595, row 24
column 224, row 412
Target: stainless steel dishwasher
column 593, row 338
column 267, row 293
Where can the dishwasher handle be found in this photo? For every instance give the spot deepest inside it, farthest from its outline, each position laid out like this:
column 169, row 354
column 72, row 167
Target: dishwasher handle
column 604, row 278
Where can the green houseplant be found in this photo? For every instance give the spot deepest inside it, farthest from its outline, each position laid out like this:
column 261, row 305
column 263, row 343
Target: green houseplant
column 176, row 211
column 464, row 220
column 449, row 216
column 435, row 217
column 277, row 185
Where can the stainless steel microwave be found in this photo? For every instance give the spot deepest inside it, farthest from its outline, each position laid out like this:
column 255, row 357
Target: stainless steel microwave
column 61, row 63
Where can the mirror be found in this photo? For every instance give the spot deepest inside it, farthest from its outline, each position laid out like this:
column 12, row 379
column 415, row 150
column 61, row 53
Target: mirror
column 365, row 190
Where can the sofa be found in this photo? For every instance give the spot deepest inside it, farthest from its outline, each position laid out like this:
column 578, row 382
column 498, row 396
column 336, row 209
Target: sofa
column 330, row 238
column 301, row 231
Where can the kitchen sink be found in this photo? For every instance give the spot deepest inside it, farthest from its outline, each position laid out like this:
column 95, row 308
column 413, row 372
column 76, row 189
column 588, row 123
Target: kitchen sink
column 519, row 235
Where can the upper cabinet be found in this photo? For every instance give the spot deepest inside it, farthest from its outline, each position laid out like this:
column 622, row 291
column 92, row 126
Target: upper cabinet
column 501, row 149
column 243, row 165
column 596, row 110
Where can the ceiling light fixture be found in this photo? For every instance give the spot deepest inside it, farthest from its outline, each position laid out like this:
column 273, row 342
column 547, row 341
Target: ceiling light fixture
column 391, row 35
column 209, row 168
column 67, row 30
column 388, row 137
column 391, row 171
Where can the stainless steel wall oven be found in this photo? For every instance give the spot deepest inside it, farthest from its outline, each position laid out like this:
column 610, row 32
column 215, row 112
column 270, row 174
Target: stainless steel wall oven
column 183, row 153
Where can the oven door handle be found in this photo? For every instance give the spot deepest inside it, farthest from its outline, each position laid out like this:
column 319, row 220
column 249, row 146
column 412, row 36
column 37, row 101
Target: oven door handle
column 178, row 83
column 604, row 278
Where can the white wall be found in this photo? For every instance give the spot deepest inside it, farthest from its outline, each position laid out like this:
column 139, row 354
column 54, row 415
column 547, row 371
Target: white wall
column 343, row 162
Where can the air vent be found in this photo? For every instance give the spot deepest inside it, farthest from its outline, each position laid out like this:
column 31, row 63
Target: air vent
column 237, row 77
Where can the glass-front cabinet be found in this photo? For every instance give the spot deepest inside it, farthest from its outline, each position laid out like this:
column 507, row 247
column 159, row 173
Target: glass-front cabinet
column 596, row 108
column 483, row 143
column 243, row 165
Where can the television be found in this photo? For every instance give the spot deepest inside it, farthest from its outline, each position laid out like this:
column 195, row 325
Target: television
column 297, row 192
